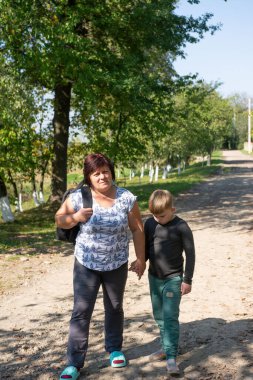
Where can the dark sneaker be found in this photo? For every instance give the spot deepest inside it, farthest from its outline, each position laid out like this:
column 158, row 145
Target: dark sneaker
column 172, row 367
column 158, row 355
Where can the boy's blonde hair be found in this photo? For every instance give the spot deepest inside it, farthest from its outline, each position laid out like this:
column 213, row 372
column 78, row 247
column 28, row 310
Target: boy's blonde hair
column 159, row 201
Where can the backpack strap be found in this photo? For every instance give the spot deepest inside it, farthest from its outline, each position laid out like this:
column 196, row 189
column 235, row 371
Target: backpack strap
column 80, row 184
column 87, row 197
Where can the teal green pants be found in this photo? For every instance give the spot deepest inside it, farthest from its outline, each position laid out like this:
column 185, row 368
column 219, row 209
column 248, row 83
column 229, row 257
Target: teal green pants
column 165, row 298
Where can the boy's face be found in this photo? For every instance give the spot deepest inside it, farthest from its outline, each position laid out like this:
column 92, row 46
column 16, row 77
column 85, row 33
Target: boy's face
column 166, row 216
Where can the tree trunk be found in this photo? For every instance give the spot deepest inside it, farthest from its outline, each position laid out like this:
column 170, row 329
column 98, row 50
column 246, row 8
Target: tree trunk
column 179, row 167
column 18, row 195
column 34, row 191
column 3, row 190
column 151, row 173
column 61, row 134
column 156, row 172
column 42, row 178
column 5, row 207
column 42, row 174
column 19, row 206
column 165, row 172
column 13, row 183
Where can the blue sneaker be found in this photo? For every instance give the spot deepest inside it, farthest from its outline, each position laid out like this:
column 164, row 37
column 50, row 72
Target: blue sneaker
column 172, row 367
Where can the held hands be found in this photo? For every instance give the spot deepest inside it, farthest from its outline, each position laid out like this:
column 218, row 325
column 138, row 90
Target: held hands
column 138, row 266
column 185, row 288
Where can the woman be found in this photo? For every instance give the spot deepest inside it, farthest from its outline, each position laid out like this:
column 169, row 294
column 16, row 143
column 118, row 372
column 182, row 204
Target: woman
column 101, row 258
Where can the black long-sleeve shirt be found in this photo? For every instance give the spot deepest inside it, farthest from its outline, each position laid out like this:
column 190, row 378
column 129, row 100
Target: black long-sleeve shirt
column 165, row 244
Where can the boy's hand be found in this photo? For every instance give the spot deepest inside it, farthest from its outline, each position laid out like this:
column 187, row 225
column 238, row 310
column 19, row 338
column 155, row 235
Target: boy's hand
column 185, row 288
column 138, row 267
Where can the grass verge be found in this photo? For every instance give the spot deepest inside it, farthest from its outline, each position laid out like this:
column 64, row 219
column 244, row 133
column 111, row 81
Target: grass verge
column 33, row 231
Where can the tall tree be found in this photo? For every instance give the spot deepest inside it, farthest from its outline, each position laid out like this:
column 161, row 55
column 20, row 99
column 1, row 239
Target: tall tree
column 201, row 120
column 90, row 47
column 239, row 122
column 17, row 114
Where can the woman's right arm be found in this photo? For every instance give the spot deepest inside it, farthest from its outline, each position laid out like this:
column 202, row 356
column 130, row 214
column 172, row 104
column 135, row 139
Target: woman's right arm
column 67, row 217
column 136, row 227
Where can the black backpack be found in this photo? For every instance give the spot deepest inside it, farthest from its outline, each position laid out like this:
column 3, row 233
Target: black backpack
column 70, row 234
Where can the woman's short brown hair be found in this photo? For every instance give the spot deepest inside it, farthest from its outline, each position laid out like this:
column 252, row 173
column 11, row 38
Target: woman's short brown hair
column 95, row 161
column 159, row 201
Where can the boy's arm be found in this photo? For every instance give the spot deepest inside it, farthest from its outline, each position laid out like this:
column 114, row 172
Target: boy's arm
column 189, row 249
column 146, row 241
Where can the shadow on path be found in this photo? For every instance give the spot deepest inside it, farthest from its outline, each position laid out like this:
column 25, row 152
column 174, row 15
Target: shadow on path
column 198, row 342
column 223, row 201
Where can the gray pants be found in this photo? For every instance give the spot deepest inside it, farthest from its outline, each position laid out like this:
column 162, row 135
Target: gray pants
column 86, row 285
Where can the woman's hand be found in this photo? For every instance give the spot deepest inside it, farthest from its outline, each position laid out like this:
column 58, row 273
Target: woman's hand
column 83, row 214
column 138, row 266
column 67, row 217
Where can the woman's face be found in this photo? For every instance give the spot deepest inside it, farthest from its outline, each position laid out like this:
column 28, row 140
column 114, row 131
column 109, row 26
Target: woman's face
column 101, row 179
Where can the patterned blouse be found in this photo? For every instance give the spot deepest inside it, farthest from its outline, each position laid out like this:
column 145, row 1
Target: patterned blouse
column 102, row 242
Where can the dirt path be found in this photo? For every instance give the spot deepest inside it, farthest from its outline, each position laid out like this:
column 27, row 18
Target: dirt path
column 216, row 318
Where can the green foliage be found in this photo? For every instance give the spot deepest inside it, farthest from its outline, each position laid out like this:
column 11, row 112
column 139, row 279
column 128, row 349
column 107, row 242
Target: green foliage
column 74, row 178
column 23, row 149
column 200, row 122
column 238, row 133
column 116, row 53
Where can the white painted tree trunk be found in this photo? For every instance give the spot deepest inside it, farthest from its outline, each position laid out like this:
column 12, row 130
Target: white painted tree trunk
column 151, row 173
column 156, row 172
column 5, row 208
column 142, row 171
column 35, row 198
column 208, row 160
column 18, row 203
column 164, row 176
column 41, row 197
column 130, row 174
column 179, row 167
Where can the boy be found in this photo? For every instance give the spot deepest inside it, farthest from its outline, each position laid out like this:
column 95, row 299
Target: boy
column 167, row 236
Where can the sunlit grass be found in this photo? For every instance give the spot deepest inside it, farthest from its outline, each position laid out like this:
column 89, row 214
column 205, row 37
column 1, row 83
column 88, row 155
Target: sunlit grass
column 248, row 153
column 174, row 183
